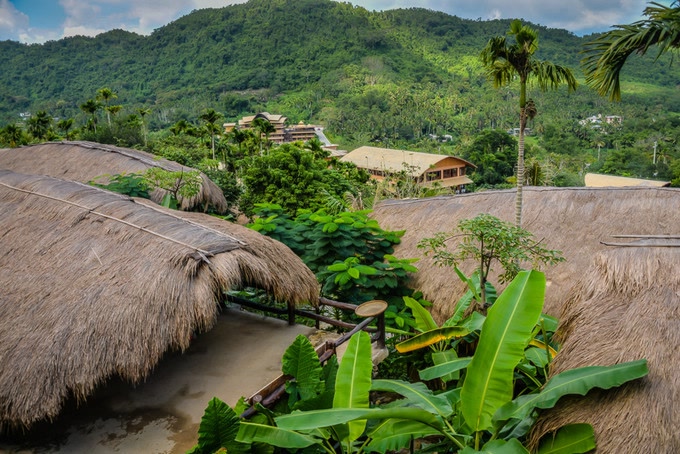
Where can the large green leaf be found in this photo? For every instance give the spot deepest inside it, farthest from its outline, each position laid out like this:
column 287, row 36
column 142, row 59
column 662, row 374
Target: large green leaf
column 505, row 334
column 446, row 357
column 218, row 429
column 417, row 394
column 498, row 447
column 275, row 436
column 431, row 337
column 392, row 435
column 307, row 420
column 444, row 369
column 301, row 362
column 424, row 320
column 570, row 439
column 353, row 381
column 574, row 381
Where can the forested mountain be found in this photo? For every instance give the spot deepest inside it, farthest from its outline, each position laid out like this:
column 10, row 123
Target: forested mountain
column 394, row 78
column 213, row 56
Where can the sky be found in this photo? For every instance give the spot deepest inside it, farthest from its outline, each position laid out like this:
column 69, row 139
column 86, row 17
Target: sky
column 37, row 21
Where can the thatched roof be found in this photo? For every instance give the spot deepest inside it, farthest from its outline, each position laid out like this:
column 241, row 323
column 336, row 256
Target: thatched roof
column 598, row 180
column 95, row 284
column 625, row 307
column 572, row 220
column 84, row 161
column 388, row 159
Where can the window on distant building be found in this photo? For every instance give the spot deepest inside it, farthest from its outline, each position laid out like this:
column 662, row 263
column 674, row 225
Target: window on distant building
column 450, row 173
column 434, row 175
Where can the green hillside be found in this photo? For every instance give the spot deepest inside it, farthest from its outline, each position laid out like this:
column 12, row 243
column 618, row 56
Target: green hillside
column 240, row 55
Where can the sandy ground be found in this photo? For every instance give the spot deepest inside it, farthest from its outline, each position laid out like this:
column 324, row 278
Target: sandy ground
column 236, row 358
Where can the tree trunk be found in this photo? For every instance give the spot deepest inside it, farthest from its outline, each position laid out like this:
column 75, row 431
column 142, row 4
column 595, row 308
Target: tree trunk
column 520, row 172
column 520, row 153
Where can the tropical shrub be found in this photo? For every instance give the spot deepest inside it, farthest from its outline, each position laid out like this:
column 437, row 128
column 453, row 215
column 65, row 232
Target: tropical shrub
column 349, row 253
column 179, row 184
column 487, row 240
column 132, row 184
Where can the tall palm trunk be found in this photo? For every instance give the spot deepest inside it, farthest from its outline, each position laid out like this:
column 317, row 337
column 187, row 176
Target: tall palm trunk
column 520, row 152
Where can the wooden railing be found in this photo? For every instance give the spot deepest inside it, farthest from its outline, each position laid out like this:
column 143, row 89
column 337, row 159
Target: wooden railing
column 268, row 395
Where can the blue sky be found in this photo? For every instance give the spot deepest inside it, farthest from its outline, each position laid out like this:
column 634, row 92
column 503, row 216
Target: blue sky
column 37, row 21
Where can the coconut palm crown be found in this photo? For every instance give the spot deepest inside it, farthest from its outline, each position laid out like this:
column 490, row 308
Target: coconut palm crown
column 606, row 54
column 506, row 61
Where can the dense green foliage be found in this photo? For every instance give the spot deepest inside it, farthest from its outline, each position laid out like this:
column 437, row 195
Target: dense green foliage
column 349, row 253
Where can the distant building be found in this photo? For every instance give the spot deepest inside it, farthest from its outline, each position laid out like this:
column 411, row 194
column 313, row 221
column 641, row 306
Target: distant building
column 283, row 133
column 515, row 131
column 596, row 121
column 425, row 168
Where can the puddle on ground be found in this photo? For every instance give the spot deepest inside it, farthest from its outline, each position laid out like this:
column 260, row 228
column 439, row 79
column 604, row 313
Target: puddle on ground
column 145, row 430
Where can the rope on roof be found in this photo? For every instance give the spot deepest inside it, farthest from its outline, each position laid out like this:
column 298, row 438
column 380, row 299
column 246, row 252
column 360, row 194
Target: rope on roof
column 199, row 253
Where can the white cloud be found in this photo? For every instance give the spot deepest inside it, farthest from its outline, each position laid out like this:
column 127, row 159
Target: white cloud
column 91, row 17
column 198, row 4
column 11, row 20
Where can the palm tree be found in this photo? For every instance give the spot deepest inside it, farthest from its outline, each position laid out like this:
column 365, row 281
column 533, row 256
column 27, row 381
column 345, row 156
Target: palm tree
column 143, row 113
column 239, row 137
column 606, row 55
column 211, row 117
column 265, row 128
column 180, row 127
column 12, row 135
column 504, row 62
column 65, row 125
column 39, row 125
column 107, row 95
column 91, row 107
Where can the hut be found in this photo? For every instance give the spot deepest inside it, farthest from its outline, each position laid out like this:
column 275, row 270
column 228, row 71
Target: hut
column 626, row 306
column 85, row 161
column 97, row 285
column 572, row 220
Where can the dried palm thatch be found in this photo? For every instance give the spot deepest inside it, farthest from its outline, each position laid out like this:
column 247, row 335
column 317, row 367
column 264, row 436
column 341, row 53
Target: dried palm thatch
column 95, row 284
column 625, row 307
column 572, row 220
column 85, row 161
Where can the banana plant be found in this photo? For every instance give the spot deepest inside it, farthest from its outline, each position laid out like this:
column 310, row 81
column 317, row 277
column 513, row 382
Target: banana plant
column 302, row 429
column 482, row 415
column 485, row 400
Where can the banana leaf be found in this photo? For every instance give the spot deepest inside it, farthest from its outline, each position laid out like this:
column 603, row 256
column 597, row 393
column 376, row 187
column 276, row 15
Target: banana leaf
column 444, row 357
column 424, row 320
column 505, row 334
column 444, row 369
column 353, row 381
column 573, row 381
column 569, row 439
column 431, row 337
column 417, row 394
column 498, row 447
column 308, row 420
column 274, row 436
column 393, row 435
